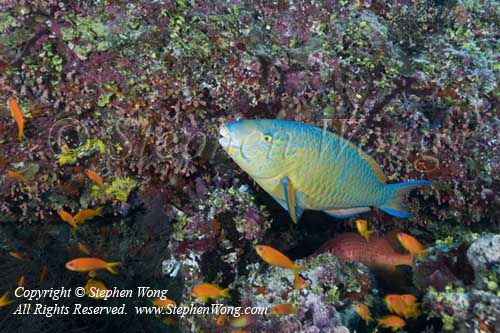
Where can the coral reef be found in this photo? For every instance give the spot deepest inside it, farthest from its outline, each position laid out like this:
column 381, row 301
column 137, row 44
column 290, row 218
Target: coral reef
column 464, row 291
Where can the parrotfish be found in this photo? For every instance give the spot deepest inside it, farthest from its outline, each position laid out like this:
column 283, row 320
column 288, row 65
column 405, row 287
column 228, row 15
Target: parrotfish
column 376, row 252
column 305, row 167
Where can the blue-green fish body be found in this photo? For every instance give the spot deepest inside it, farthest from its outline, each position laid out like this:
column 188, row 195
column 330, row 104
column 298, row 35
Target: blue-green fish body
column 305, row 167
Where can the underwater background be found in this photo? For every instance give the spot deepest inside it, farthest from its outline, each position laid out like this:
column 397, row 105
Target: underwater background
column 136, row 91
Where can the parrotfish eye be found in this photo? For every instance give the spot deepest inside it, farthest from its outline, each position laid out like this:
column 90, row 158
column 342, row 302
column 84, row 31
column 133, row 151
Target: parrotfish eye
column 268, row 138
column 71, row 264
column 259, row 248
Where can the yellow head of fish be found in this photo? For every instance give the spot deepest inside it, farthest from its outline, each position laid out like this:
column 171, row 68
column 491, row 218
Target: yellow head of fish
column 258, row 147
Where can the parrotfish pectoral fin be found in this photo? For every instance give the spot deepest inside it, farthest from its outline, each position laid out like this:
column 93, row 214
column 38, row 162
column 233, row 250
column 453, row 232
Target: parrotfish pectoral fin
column 395, row 205
column 291, row 200
column 348, row 212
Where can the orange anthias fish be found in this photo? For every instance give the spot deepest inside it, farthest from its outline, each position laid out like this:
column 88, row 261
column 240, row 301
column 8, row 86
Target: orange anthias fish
column 395, row 304
column 91, row 264
column 220, row 321
column 276, row 258
column 17, row 114
column 363, row 311
column 283, row 309
column 20, row 282
column 376, row 252
column 84, row 249
column 17, row 255
column 16, row 175
column 242, row 321
column 4, row 300
column 299, row 282
column 403, row 305
column 86, row 214
column 411, row 303
column 362, row 226
column 163, row 303
column 391, row 321
column 411, row 244
column 94, row 176
column 93, row 289
column 67, row 217
column 206, row 291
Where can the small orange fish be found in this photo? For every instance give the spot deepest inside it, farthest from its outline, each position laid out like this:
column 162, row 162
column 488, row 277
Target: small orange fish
column 362, row 226
column 20, row 282
column 86, row 214
column 67, row 217
column 4, row 300
column 206, row 291
column 94, row 176
column 17, row 255
column 170, row 321
column 84, row 249
column 276, row 258
column 43, row 273
column 220, row 321
column 17, row 114
column 163, row 303
column 242, row 321
column 16, row 175
column 283, row 309
column 93, row 289
column 412, row 306
column 411, row 244
column 396, row 304
column 364, row 312
column 391, row 321
column 299, row 282
column 91, row 264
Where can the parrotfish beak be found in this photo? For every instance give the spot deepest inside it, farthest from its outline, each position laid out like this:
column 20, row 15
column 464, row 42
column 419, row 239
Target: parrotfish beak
column 225, row 139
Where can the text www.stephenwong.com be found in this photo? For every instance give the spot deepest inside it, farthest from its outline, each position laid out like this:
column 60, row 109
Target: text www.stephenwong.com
column 214, row 309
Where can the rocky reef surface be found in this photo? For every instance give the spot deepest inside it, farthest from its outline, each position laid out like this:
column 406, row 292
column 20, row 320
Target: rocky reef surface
column 137, row 90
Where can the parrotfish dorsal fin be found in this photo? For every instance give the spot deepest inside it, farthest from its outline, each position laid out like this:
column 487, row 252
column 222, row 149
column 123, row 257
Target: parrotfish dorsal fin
column 371, row 161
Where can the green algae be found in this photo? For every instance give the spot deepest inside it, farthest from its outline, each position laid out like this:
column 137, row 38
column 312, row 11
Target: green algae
column 70, row 156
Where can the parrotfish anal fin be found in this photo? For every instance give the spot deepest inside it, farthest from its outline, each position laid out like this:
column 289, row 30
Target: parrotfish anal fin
column 373, row 164
column 291, row 200
column 348, row 212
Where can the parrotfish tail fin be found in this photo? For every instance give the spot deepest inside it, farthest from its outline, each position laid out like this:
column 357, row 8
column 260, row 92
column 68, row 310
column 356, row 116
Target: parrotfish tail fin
column 291, row 201
column 395, row 205
column 99, row 211
column 225, row 293
column 111, row 267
